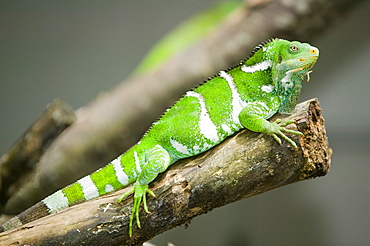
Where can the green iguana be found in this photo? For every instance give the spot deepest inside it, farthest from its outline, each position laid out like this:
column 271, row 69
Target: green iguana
column 244, row 96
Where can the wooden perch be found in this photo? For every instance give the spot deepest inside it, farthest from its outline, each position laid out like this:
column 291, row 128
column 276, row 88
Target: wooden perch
column 244, row 165
column 117, row 119
column 22, row 157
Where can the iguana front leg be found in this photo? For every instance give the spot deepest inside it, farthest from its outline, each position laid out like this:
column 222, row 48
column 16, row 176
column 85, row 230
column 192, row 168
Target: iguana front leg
column 253, row 119
column 157, row 161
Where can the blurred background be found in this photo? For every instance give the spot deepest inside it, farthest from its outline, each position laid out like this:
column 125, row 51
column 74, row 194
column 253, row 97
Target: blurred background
column 72, row 50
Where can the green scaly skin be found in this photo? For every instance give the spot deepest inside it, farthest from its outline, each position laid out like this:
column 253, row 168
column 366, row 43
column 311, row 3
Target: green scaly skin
column 245, row 96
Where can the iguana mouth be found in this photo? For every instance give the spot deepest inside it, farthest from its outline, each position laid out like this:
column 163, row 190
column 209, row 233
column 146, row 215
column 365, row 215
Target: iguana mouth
column 305, row 62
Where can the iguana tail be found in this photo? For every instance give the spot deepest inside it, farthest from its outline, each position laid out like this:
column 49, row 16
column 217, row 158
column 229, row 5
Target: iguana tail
column 118, row 174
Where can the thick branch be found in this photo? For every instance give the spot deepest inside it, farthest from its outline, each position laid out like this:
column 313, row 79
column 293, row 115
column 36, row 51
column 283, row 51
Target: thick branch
column 115, row 121
column 22, row 157
column 244, row 165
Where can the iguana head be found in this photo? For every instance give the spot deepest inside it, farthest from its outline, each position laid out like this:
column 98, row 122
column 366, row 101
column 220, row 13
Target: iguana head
column 292, row 60
column 295, row 56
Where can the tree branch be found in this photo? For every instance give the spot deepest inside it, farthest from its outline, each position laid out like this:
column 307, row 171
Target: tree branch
column 20, row 161
column 244, row 165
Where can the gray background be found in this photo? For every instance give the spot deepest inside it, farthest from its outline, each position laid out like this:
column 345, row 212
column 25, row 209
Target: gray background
column 75, row 50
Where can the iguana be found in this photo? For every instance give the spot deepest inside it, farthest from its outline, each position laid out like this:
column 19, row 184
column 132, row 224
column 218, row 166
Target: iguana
column 244, row 96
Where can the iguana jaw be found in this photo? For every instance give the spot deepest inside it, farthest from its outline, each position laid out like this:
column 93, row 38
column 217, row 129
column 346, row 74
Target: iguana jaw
column 302, row 63
column 308, row 62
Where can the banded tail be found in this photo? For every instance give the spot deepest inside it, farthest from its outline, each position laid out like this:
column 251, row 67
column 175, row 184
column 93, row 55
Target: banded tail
column 110, row 178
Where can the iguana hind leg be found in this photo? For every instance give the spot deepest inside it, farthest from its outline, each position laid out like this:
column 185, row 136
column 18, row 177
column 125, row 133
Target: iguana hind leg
column 157, row 161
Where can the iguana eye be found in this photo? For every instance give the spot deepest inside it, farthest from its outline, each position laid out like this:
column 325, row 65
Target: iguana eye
column 294, row 48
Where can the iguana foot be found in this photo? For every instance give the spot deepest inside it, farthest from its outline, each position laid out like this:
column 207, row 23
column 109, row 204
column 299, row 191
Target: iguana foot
column 139, row 195
column 277, row 129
